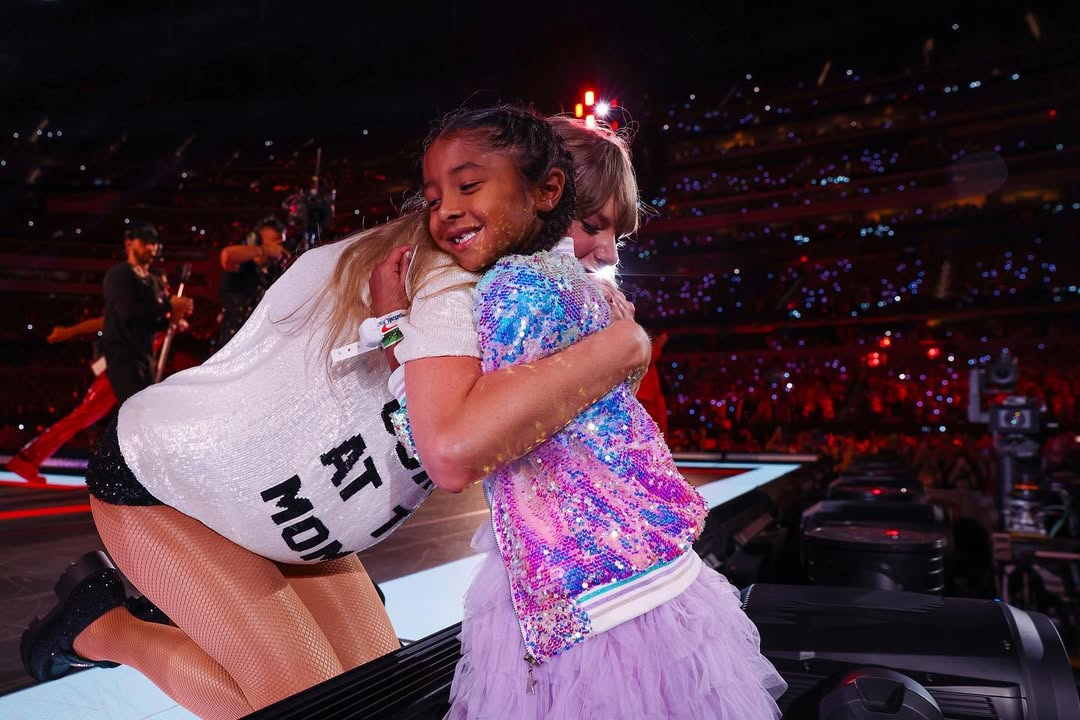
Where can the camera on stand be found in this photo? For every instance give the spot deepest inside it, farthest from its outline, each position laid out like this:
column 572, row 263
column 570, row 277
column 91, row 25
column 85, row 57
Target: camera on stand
column 311, row 211
column 1036, row 553
column 1018, row 424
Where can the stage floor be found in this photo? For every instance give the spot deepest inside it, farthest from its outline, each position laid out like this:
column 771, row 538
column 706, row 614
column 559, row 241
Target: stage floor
column 423, row 568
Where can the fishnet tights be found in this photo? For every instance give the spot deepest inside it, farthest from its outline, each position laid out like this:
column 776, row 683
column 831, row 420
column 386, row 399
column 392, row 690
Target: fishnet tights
column 273, row 630
column 342, row 599
column 179, row 667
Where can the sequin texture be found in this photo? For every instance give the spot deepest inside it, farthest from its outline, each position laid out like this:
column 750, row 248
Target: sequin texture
column 108, row 477
column 264, row 425
column 600, row 502
column 399, row 420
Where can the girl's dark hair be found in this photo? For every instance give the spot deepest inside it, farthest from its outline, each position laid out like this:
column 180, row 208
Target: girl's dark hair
column 535, row 148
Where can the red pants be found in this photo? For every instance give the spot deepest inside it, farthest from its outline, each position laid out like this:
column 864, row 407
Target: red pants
column 97, row 402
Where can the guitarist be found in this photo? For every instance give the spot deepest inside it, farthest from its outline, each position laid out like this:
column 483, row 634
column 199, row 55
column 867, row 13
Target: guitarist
column 164, row 347
column 98, row 401
column 137, row 306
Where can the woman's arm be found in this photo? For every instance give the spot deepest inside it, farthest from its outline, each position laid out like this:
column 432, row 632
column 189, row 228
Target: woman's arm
column 466, row 424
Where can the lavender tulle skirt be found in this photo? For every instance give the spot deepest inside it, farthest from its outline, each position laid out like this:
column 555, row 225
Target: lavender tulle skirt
column 697, row 656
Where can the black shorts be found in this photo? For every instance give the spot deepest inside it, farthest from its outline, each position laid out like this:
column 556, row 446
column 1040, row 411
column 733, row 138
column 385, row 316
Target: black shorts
column 109, row 479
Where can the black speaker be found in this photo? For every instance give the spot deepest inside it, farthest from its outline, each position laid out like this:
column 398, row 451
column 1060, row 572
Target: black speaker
column 881, row 558
column 412, row 683
column 874, row 488
column 903, row 515
column 881, row 462
column 845, row 653
column 975, row 659
column 872, row 692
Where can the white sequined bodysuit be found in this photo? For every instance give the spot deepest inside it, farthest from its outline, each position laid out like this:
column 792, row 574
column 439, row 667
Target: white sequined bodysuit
column 265, row 447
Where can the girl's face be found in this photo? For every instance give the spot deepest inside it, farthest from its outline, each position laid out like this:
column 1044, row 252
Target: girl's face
column 480, row 209
column 594, row 239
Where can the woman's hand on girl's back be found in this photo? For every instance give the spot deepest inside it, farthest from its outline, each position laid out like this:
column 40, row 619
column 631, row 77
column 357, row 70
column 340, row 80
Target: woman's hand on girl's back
column 621, row 308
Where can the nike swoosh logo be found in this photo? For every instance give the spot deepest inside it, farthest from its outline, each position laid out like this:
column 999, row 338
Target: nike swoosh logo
column 387, row 328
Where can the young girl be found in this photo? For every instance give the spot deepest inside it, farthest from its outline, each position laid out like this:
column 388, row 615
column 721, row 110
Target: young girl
column 590, row 602
column 441, row 324
column 233, row 496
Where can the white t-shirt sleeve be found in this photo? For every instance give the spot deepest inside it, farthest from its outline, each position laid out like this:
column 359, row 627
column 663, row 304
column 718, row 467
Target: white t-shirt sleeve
column 440, row 320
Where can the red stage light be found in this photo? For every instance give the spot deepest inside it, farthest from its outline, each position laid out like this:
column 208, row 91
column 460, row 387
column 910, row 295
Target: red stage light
column 590, row 98
column 1053, row 112
column 614, row 102
column 933, row 353
column 579, row 110
column 43, row 512
column 885, row 342
column 875, row 491
column 892, row 533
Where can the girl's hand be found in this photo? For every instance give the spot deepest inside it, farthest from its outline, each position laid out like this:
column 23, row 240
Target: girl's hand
column 387, row 282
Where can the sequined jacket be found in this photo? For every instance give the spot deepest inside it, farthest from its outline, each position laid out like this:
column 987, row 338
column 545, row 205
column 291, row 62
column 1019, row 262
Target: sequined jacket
column 595, row 525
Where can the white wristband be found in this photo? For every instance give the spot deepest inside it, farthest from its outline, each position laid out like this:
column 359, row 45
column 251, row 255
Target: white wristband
column 373, row 329
column 371, row 333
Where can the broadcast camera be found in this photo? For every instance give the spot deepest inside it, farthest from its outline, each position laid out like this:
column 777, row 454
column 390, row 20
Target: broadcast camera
column 1018, row 424
column 311, row 210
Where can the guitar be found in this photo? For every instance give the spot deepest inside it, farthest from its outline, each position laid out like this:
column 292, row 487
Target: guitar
column 166, row 344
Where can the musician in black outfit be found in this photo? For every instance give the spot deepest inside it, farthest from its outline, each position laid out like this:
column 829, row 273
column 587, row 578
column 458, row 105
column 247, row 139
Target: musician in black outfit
column 137, row 306
column 249, row 270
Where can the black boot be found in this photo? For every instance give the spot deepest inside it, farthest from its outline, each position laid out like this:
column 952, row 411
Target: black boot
column 88, row 589
column 141, row 607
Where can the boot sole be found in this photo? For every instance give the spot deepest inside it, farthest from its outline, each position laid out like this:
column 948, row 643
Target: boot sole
column 35, row 640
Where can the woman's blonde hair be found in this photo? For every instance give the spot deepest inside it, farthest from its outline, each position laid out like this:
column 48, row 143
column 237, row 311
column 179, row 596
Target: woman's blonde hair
column 344, row 302
column 602, row 171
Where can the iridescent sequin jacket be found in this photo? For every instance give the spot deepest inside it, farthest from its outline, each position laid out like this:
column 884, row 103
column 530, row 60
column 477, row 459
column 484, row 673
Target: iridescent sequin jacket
column 595, row 525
